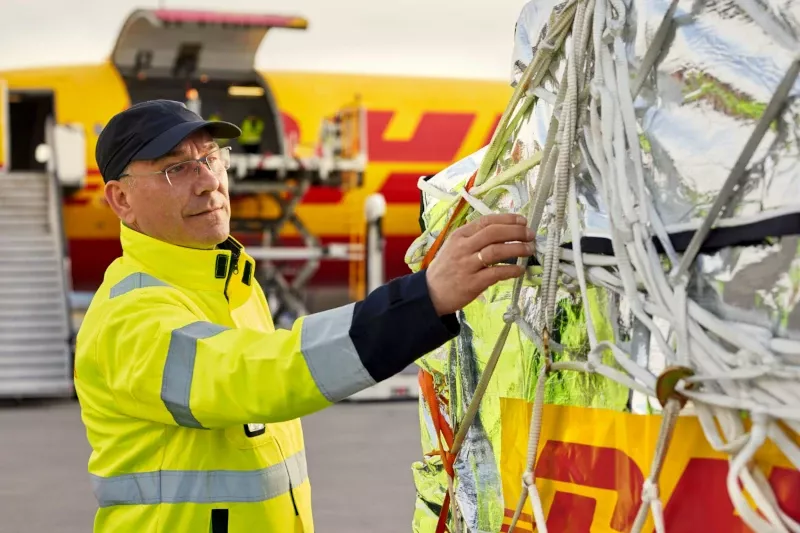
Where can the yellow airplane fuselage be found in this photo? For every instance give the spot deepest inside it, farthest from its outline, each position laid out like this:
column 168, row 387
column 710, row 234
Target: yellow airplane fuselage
column 415, row 126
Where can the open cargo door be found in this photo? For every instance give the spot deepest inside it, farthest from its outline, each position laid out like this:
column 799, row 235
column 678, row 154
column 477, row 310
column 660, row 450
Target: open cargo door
column 205, row 59
column 181, row 42
column 5, row 136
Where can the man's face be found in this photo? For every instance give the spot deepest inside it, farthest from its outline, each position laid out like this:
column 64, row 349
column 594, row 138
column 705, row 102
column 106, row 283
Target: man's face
column 193, row 211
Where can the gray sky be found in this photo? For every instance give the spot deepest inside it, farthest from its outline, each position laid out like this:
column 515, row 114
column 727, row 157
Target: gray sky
column 450, row 38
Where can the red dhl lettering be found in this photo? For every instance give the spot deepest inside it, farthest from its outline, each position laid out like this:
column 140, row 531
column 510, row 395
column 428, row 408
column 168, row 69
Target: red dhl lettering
column 699, row 502
column 610, row 469
column 437, row 138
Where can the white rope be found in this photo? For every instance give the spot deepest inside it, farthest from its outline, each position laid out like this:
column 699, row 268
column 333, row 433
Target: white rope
column 752, row 370
column 436, row 192
column 476, row 204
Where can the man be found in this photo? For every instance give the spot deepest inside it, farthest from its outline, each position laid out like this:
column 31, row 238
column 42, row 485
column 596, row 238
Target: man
column 190, row 398
column 252, row 129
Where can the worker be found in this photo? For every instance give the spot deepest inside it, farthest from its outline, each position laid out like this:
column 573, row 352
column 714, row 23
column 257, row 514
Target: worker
column 191, row 399
column 252, row 128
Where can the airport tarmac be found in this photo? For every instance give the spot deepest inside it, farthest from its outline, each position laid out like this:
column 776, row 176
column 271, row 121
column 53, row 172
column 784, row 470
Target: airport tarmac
column 359, row 460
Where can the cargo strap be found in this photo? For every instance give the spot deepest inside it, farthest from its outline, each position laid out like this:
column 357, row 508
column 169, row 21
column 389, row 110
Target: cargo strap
column 443, row 431
column 437, row 244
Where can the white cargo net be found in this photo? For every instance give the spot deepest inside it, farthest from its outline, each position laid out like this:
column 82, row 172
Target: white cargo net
column 722, row 367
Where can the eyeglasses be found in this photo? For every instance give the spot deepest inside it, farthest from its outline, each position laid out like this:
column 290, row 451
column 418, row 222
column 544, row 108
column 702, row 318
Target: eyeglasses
column 217, row 161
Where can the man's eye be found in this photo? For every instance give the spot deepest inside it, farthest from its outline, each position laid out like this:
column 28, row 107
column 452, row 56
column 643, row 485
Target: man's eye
column 176, row 169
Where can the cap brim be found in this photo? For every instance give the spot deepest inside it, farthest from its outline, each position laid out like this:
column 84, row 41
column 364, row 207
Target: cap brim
column 161, row 145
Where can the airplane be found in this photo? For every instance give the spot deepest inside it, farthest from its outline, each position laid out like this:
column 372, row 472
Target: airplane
column 411, row 127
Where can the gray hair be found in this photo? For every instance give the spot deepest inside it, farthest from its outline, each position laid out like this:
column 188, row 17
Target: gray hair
column 130, row 179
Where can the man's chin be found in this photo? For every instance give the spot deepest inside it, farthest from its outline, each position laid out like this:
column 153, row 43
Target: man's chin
column 218, row 237
column 209, row 242
column 213, row 236
column 208, row 229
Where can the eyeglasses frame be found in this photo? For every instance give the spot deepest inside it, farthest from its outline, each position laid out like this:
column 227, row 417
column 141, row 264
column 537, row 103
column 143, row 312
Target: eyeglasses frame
column 165, row 172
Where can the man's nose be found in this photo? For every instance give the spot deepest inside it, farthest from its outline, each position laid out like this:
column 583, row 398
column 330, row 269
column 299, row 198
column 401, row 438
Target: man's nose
column 205, row 180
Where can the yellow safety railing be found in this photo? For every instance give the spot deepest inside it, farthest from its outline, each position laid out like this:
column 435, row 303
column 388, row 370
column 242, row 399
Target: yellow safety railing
column 347, row 137
column 352, row 131
column 357, row 279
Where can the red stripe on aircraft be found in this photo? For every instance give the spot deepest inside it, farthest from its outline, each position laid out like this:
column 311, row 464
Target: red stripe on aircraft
column 323, row 195
column 71, row 201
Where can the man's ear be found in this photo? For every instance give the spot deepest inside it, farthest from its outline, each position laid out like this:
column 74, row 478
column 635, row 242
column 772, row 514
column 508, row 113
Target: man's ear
column 118, row 198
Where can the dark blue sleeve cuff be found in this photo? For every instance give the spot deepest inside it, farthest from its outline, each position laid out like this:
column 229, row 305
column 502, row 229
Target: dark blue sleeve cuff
column 396, row 324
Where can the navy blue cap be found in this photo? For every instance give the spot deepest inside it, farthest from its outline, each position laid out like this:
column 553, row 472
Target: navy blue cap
column 149, row 130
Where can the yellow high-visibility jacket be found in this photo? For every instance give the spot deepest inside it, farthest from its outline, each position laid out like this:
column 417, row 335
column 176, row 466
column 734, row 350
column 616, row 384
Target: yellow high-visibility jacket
column 252, row 128
column 191, row 399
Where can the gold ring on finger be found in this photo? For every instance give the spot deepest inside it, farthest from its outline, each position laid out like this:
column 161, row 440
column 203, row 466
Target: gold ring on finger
column 480, row 257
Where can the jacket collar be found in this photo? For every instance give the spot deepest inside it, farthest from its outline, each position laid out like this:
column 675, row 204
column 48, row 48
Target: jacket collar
column 185, row 267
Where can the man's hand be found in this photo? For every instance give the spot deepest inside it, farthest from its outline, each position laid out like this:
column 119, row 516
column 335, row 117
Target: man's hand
column 463, row 269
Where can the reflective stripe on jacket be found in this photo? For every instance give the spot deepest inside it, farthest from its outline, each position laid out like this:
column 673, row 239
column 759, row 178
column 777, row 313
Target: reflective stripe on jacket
column 191, row 399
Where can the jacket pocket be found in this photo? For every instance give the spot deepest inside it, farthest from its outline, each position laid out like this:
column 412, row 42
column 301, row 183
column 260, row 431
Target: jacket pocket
column 245, row 437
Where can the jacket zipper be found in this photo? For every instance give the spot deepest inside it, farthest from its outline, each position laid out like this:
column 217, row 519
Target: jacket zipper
column 234, row 269
column 289, row 476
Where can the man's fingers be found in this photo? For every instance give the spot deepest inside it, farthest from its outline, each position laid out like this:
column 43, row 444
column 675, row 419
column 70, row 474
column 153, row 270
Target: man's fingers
column 487, row 220
column 497, row 233
column 489, row 276
column 496, row 253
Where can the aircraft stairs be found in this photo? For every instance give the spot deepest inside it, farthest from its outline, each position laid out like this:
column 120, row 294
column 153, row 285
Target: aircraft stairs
column 36, row 334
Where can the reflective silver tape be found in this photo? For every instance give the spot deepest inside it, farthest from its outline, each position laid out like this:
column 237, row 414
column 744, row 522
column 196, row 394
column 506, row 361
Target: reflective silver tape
column 201, row 486
column 138, row 280
column 331, row 357
column 176, row 385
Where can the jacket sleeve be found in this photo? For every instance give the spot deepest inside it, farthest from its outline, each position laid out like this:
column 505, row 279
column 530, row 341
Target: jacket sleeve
column 164, row 364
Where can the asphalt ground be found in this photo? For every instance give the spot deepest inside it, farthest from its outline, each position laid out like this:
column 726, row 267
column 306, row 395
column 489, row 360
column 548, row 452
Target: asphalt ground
column 359, row 460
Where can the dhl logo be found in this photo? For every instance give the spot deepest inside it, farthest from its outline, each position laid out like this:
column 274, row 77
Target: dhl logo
column 437, row 140
column 592, row 463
